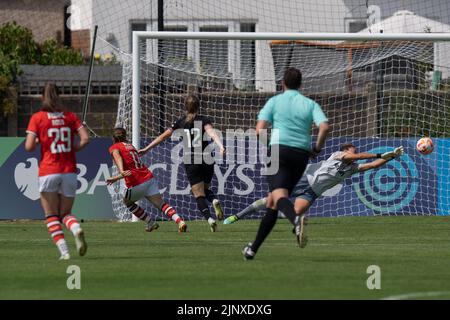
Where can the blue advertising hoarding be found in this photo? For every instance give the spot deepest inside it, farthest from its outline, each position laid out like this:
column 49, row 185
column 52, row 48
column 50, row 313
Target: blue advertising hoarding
column 19, row 188
column 413, row 184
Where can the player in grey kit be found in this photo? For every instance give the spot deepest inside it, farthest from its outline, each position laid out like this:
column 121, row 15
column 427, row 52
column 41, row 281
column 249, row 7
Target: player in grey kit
column 338, row 167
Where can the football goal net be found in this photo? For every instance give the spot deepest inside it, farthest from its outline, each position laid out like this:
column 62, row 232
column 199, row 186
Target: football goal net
column 379, row 91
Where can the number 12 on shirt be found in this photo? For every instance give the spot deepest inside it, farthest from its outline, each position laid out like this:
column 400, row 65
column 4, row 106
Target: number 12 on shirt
column 195, row 141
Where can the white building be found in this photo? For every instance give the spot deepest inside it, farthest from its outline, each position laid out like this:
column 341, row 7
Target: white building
column 117, row 19
column 405, row 21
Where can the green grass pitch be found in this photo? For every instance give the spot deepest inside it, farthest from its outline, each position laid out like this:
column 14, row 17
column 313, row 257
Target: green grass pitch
column 124, row 262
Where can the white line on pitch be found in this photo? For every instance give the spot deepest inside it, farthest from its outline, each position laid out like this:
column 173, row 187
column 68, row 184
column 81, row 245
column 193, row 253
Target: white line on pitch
column 417, row 295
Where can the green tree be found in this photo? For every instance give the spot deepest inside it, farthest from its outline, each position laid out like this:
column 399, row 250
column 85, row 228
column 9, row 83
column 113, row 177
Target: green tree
column 51, row 53
column 17, row 47
column 17, row 43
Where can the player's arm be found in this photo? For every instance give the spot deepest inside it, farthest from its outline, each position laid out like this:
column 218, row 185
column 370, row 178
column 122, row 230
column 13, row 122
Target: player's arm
column 84, row 139
column 261, row 125
column 385, row 158
column 324, row 129
column 321, row 121
column 265, row 116
column 118, row 161
column 209, row 129
column 397, row 152
column 372, row 165
column 32, row 134
column 165, row 135
column 31, row 142
column 360, row 156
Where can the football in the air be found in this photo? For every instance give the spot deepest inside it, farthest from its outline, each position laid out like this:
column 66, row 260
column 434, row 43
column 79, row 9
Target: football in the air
column 425, row 146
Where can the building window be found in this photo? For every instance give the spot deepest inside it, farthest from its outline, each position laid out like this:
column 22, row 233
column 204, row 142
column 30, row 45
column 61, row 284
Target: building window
column 208, row 57
column 138, row 26
column 248, row 59
column 175, row 52
column 356, row 26
column 214, row 53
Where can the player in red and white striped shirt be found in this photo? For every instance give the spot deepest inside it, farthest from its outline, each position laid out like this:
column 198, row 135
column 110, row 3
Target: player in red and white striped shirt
column 55, row 130
column 139, row 181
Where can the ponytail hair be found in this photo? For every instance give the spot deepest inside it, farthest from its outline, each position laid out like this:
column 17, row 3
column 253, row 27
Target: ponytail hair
column 51, row 102
column 192, row 106
column 119, row 135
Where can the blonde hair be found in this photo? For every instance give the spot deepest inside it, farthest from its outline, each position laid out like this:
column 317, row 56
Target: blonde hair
column 192, row 106
column 51, row 101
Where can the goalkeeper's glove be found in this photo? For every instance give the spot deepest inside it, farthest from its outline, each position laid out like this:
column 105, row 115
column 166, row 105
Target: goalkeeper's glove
column 397, row 152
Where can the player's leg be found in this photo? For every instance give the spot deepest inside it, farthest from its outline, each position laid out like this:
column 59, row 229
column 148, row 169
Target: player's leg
column 209, row 194
column 158, row 202
column 253, row 208
column 198, row 190
column 48, row 188
column 282, row 202
column 268, row 221
column 208, row 173
column 301, row 206
column 305, row 197
column 196, row 179
column 212, row 198
column 281, row 184
column 133, row 195
column 302, row 190
column 67, row 194
column 141, row 214
column 291, row 164
column 72, row 224
column 50, row 203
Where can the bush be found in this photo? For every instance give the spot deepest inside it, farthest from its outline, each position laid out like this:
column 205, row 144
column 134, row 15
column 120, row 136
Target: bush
column 17, row 47
column 17, row 43
column 8, row 96
column 416, row 113
column 54, row 54
column 105, row 60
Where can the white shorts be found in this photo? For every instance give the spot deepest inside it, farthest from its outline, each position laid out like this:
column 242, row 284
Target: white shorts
column 63, row 183
column 148, row 188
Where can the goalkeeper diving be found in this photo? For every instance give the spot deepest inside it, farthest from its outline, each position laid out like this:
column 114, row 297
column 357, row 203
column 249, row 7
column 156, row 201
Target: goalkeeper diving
column 331, row 172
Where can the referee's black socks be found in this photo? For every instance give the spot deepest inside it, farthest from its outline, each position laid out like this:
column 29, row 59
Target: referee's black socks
column 203, row 207
column 267, row 222
column 286, row 206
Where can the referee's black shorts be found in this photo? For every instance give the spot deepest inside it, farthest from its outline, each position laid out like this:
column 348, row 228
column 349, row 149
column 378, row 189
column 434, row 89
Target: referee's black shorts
column 291, row 163
column 197, row 173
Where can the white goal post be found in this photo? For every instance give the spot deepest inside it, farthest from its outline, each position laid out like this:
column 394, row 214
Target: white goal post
column 138, row 36
column 379, row 91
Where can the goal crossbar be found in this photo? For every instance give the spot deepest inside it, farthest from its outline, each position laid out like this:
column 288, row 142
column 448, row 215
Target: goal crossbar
column 141, row 35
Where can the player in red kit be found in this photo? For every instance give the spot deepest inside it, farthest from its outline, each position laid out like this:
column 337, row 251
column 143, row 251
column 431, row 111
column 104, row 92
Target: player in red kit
column 55, row 130
column 139, row 182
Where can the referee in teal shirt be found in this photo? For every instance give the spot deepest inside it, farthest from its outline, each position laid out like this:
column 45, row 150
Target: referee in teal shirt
column 291, row 115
